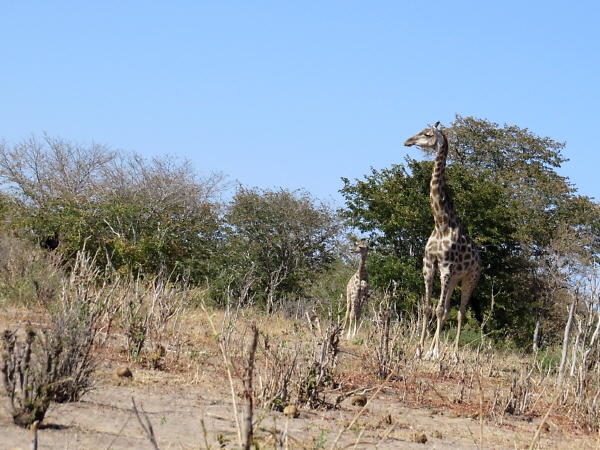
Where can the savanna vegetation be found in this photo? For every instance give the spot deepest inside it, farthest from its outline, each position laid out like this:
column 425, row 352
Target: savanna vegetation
column 538, row 238
column 100, row 238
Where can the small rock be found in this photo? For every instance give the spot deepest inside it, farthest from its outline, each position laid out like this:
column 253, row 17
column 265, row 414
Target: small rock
column 358, row 400
column 418, row 437
column 124, row 372
column 436, row 434
column 291, row 411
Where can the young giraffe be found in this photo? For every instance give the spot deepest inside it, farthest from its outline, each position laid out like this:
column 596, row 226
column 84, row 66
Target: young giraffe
column 358, row 288
column 449, row 250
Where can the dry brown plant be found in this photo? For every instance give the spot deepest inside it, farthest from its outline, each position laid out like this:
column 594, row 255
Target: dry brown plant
column 318, row 371
column 145, row 423
column 248, row 394
column 386, row 332
column 54, row 361
column 150, row 312
column 29, row 275
column 276, row 373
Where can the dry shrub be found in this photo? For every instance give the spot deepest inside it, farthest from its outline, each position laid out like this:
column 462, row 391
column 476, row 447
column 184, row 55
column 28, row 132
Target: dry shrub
column 299, row 372
column 579, row 392
column 150, row 310
column 279, row 365
column 54, row 361
column 389, row 334
column 317, row 371
column 518, row 397
column 28, row 274
column 296, row 370
column 85, row 304
column 27, row 382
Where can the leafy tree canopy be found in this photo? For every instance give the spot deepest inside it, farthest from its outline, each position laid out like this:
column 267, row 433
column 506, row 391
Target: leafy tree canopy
column 137, row 214
column 510, row 198
column 277, row 242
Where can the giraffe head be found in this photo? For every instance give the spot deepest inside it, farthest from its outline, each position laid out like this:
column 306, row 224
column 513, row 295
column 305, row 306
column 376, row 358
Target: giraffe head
column 428, row 138
column 361, row 247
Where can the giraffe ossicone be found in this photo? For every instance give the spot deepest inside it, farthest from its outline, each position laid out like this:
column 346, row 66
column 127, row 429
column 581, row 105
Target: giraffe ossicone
column 357, row 290
column 449, row 250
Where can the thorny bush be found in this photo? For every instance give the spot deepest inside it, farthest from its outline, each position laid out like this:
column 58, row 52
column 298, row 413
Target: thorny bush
column 54, row 361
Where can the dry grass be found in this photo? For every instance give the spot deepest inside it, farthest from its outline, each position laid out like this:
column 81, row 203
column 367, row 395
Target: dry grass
column 302, row 362
column 490, row 386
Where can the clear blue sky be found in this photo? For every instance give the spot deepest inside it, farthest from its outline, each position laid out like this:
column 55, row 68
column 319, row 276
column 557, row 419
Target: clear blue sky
column 297, row 94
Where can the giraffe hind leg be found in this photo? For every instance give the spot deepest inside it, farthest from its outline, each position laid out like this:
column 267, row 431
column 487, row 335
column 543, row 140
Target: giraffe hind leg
column 358, row 304
column 468, row 286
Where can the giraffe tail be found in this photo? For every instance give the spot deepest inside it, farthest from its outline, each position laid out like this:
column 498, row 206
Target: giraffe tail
column 476, row 305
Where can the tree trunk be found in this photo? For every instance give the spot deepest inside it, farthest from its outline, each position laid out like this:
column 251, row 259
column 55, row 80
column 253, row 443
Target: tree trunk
column 565, row 348
column 575, row 348
column 536, row 334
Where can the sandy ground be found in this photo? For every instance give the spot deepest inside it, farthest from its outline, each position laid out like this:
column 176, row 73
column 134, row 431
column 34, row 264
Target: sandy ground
column 193, row 410
column 104, row 419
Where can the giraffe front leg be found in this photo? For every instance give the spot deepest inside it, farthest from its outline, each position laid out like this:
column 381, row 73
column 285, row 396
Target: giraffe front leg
column 349, row 311
column 443, row 309
column 434, row 349
column 428, row 274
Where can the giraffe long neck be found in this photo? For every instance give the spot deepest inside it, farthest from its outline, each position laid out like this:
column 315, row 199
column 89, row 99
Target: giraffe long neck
column 362, row 268
column 441, row 204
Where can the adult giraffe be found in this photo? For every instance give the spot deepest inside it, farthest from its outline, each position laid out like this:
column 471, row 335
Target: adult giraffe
column 449, row 250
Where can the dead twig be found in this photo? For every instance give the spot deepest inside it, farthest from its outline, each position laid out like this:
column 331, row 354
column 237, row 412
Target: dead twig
column 480, row 413
column 228, row 368
column 34, row 434
column 385, row 435
column 147, row 427
column 340, row 398
column 537, row 433
column 247, row 435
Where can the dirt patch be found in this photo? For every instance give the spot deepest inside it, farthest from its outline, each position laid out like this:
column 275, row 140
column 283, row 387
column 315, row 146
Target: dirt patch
column 182, row 412
column 191, row 408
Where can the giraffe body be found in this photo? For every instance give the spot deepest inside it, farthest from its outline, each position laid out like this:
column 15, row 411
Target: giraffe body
column 357, row 290
column 449, row 249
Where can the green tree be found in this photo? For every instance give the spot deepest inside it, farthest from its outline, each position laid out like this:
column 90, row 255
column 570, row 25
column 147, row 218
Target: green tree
column 156, row 215
column 159, row 216
column 275, row 243
column 548, row 214
column 393, row 206
column 510, row 198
